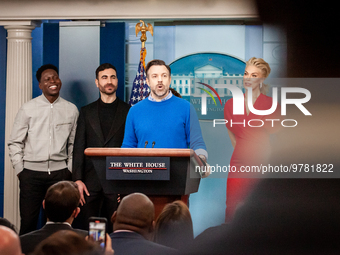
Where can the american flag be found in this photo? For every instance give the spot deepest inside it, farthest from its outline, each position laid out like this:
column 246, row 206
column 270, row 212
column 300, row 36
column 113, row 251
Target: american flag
column 140, row 88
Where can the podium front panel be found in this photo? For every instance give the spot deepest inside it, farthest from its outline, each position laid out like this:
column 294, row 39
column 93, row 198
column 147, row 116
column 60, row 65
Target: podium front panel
column 180, row 182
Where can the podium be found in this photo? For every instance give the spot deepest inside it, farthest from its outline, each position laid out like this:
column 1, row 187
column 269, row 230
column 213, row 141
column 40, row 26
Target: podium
column 183, row 181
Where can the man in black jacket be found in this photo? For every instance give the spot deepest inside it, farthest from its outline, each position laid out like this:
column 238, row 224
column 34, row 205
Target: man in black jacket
column 100, row 124
column 61, row 207
column 133, row 225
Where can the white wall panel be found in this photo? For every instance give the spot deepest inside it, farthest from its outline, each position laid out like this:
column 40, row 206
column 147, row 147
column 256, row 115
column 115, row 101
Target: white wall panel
column 78, row 60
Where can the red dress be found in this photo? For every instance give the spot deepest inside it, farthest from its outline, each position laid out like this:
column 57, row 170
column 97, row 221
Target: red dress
column 252, row 147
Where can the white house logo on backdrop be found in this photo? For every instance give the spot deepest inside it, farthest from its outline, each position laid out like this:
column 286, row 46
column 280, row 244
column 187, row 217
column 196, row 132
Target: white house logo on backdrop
column 185, row 83
column 220, row 87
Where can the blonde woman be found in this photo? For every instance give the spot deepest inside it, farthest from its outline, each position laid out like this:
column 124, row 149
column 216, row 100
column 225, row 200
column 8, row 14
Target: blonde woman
column 251, row 144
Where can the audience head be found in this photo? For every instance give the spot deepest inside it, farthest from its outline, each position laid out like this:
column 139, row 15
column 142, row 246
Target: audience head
column 6, row 223
column 303, row 211
column 61, row 201
column 136, row 212
column 9, row 242
column 174, row 226
column 67, row 242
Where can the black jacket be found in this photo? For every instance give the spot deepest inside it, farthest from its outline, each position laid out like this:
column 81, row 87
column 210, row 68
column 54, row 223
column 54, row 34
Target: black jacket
column 131, row 243
column 30, row 240
column 89, row 134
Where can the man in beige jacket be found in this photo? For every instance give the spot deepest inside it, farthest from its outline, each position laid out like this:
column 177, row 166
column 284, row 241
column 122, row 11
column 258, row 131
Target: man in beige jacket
column 41, row 145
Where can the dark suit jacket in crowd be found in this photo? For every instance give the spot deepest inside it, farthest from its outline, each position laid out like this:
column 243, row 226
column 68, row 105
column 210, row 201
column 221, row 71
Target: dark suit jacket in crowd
column 280, row 216
column 89, row 134
column 131, row 243
column 30, row 240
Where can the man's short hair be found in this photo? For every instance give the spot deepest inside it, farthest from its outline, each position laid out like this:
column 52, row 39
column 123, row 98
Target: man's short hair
column 7, row 223
column 61, row 199
column 156, row 62
column 103, row 67
column 43, row 68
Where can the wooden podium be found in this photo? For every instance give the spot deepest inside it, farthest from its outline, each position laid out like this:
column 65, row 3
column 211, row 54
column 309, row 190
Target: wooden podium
column 184, row 180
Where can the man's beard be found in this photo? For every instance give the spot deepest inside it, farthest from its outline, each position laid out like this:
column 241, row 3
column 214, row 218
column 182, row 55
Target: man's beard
column 160, row 95
column 103, row 89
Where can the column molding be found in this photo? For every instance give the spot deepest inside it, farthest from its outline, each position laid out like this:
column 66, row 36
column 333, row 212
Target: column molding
column 18, row 92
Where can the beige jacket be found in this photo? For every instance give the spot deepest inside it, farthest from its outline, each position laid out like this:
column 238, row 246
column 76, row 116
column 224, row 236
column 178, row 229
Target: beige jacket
column 43, row 134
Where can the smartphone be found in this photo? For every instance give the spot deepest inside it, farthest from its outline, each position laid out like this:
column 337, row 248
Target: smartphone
column 97, row 230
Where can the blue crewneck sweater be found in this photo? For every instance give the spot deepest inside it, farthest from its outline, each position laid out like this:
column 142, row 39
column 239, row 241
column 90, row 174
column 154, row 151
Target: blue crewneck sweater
column 167, row 123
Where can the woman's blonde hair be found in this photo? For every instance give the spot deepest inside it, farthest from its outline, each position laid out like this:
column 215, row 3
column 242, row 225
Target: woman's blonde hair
column 265, row 69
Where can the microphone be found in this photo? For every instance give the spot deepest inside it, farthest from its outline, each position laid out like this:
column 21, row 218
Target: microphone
column 146, row 143
column 153, row 144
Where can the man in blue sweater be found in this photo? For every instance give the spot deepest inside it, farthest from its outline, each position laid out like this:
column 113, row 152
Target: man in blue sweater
column 163, row 120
